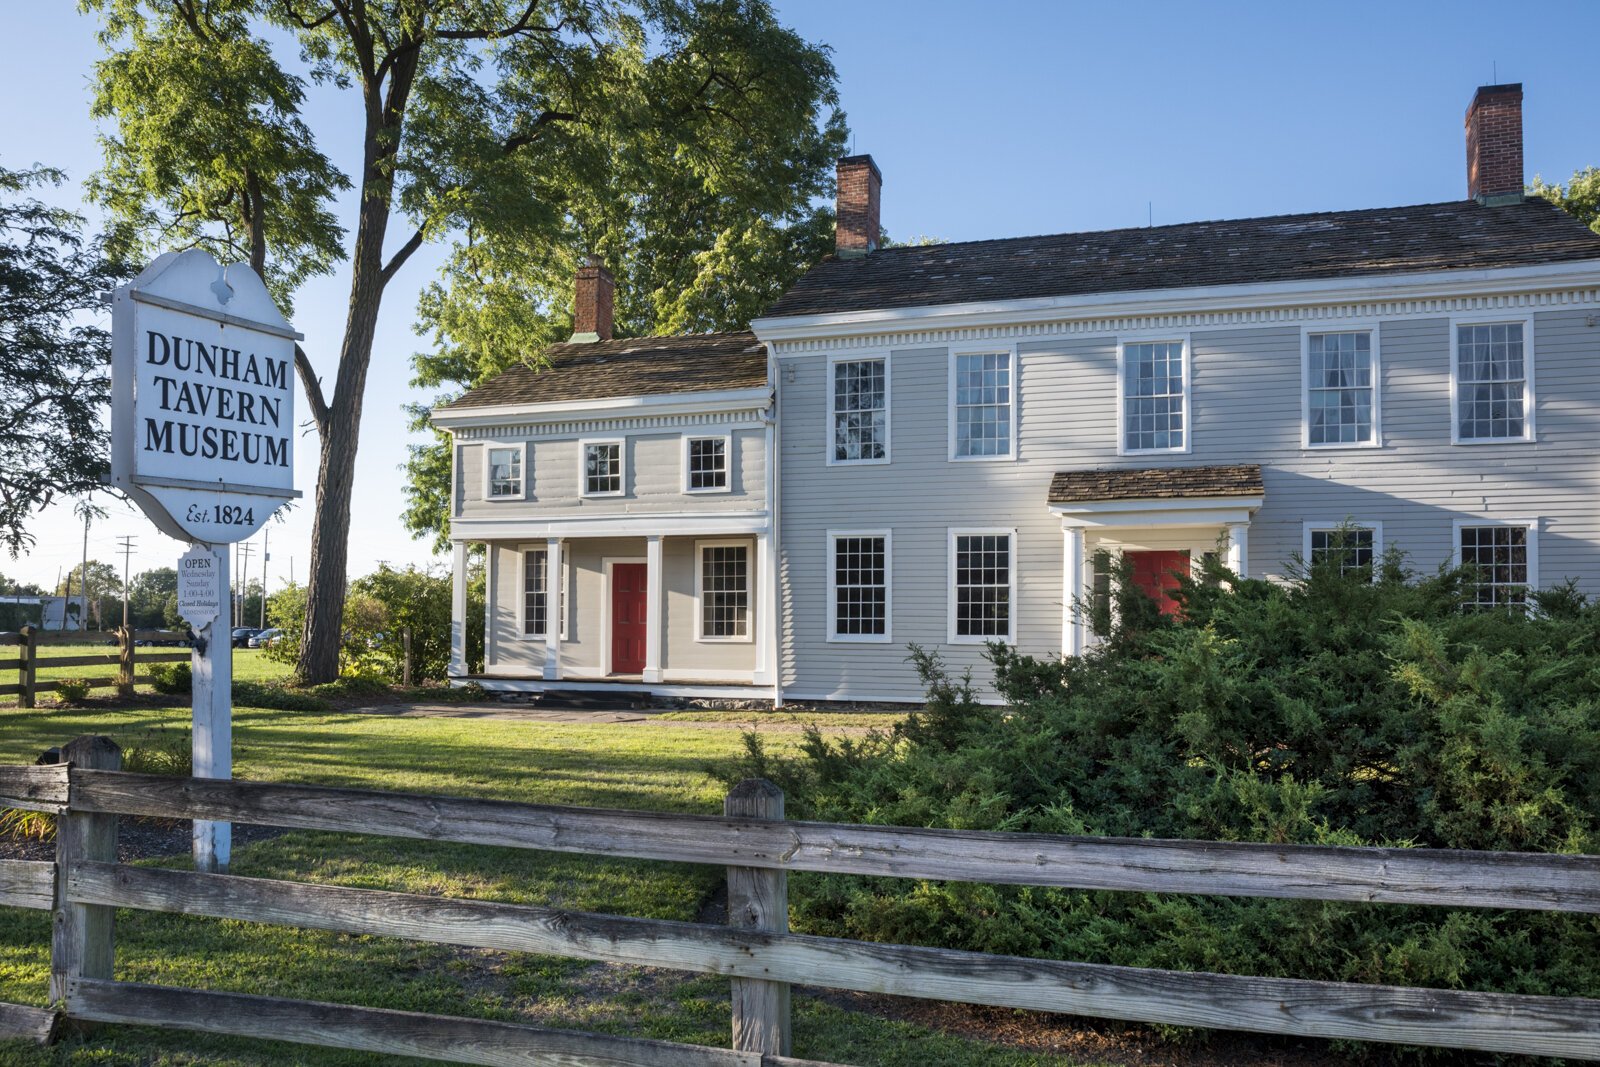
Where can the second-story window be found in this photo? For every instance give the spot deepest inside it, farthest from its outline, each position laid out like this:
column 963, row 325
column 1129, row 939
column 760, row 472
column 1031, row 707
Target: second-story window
column 1491, row 382
column 1153, row 397
column 859, row 402
column 984, row 403
column 1341, row 389
column 602, row 468
column 504, row 473
column 705, row 464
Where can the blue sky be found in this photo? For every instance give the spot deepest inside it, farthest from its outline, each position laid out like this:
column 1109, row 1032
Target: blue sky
column 992, row 120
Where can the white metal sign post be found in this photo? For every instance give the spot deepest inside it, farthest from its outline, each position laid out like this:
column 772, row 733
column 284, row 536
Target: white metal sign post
column 202, row 428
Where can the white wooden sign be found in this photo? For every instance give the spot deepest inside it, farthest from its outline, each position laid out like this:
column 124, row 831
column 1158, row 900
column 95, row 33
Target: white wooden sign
column 198, row 587
column 202, row 415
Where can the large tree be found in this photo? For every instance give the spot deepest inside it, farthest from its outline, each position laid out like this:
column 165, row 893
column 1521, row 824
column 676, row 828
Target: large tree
column 475, row 116
column 52, row 355
column 1579, row 198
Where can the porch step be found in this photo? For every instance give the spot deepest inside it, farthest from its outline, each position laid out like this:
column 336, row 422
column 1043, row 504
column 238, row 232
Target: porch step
column 591, row 700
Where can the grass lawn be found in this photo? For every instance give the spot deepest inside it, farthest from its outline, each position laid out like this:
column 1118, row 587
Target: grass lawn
column 657, row 767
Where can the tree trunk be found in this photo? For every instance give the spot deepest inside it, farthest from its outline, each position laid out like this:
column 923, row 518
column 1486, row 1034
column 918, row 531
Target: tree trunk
column 341, row 429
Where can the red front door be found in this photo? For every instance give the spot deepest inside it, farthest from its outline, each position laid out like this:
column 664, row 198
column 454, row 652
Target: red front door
column 1155, row 574
column 629, row 608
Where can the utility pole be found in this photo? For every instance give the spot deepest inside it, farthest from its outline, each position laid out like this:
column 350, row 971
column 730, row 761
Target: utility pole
column 265, row 557
column 127, row 554
column 244, row 578
column 83, row 580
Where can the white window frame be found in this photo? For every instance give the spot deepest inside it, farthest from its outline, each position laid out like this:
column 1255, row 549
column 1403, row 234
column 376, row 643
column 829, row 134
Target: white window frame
column 1531, row 525
column 1376, row 526
column 749, row 590
column 1010, row 352
column 1372, row 328
column 1180, row 338
column 952, row 534
column 1529, row 395
column 622, row 465
column 835, row 358
column 522, row 482
column 727, row 459
column 887, row 637
column 522, row 591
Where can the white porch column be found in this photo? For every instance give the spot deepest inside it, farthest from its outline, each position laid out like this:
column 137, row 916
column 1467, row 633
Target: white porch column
column 1239, row 549
column 554, row 608
column 653, row 606
column 458, row 609
column 766, row 612
column 1071, row 590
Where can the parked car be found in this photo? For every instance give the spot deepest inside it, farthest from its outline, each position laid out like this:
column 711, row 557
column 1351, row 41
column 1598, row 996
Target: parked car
column 242, row 635
column 270, row 636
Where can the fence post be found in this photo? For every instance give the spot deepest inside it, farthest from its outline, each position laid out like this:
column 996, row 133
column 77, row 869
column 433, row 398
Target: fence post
column 82, row 945
column 125, row 661
column 27, row 655
column 758, row 899
column 405, row 665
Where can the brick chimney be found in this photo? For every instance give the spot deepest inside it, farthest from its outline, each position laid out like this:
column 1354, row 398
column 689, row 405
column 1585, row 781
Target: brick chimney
column 591, row 310
column 1494, row 145
column 856, row 214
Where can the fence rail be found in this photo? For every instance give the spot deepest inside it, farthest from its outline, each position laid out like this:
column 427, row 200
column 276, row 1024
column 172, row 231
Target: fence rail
column 85, row 885
column 124, row 656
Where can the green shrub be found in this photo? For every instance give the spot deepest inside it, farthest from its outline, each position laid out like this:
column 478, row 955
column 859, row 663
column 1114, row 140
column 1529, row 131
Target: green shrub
column 171, row 678
column 72, row 690
column 159, row 750
column 1333, row 709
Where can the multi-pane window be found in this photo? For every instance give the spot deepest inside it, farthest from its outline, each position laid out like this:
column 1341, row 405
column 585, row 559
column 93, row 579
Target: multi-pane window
column 983, row 404
column 1153, row 397
column 982, row 585
column 535, row 593
column 602, row 468
column 1351, row 546
column 1340, row 388
column 707, row 464
column 537, row 603
column 1491, row 382
column 505, row 471
column 860, row 410
column 724, row 591
column 1500, row 556
column 860, row 586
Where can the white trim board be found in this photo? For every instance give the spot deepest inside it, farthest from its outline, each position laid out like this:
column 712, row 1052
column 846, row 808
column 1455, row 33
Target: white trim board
column 630, row 524
column 1372, row 292
column 718, row 401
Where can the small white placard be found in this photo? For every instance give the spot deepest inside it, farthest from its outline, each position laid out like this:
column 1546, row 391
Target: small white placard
column 198, row 587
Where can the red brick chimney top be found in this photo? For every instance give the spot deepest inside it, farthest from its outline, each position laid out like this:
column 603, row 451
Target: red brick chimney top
column 592, row 304
column 1494, row 144
column 856, row 225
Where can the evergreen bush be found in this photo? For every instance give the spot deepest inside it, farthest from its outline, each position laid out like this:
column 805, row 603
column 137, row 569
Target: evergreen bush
column 1343, row 707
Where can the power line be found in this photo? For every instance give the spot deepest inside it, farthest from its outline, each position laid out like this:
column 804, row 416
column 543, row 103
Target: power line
column 126, row 544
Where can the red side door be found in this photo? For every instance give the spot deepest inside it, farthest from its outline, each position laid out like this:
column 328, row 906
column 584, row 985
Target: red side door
column 1155, row 574
column 629, row 607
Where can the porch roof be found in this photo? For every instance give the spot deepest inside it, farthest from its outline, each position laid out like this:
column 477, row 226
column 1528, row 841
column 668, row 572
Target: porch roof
column 1156, row 483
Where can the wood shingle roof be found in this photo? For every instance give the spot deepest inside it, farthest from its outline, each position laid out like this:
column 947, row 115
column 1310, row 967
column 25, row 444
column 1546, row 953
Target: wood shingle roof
column 1460, row 235
column 1156, row 483
column 634, row 366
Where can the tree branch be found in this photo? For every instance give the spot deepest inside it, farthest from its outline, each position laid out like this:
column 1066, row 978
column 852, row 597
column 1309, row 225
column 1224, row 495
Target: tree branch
column 313, row 388
column 522, row 139
column 398, row 260
column 520, row 26
column 305, row 23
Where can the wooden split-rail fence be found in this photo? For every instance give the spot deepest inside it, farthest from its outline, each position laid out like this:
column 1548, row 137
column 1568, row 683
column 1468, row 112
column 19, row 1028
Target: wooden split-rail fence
column 85, row 884
column 122, row 654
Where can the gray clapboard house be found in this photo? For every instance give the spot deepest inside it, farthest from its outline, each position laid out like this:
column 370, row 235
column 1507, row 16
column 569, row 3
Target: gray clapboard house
column 934, row 444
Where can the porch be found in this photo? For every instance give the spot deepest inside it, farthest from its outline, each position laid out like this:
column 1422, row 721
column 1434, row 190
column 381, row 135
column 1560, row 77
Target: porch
column 1163, row 520
column 681, row 614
